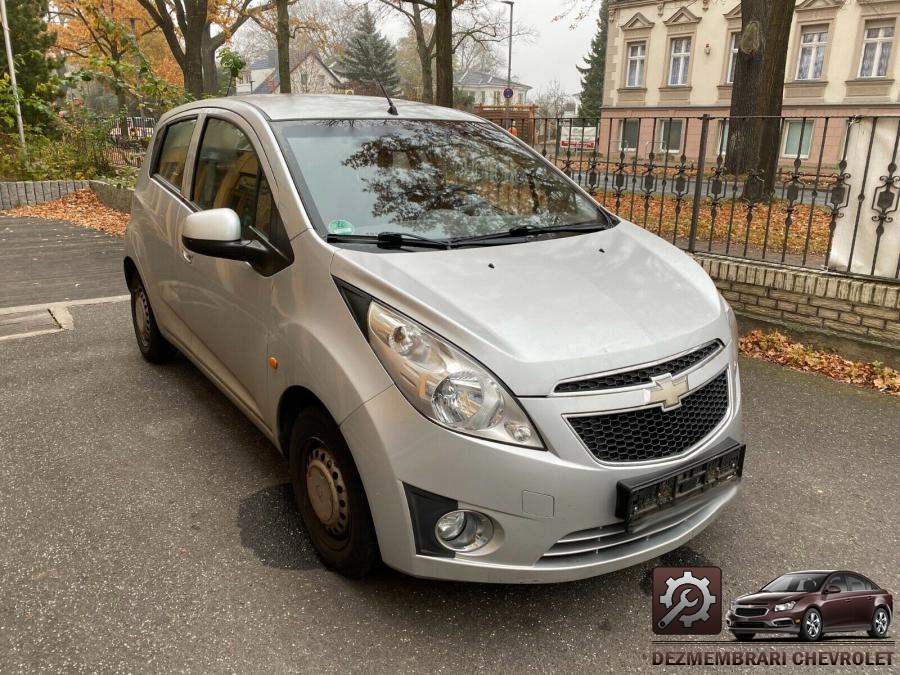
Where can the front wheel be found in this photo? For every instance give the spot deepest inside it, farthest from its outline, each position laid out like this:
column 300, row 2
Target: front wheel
column 330, row 495
column 880, row 623
column 811, row 626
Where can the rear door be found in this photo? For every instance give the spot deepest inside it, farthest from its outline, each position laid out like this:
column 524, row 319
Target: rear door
column 228, row 302
column 862, row 597
column 837, row 611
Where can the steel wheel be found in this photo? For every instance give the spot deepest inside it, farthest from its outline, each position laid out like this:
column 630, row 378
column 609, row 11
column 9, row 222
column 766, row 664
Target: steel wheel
column 327, row 490
column 151, row 343
column 142, row 318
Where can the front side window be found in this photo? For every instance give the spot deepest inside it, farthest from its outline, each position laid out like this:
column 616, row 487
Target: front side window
column 173, row 152
column 732, row 57
column 811, row 62
column 637, row 57
column 876, row 51
column 680, row 62
column 669, row 135
column 437, row 179
column 797, row 138
column 228, row 175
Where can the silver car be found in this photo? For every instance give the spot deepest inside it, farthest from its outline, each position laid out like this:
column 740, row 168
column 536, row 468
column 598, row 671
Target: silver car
column 473, row 370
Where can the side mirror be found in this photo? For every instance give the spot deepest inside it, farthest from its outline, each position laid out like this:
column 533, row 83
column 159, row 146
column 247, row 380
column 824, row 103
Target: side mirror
column 833, row 589
column 217, row 233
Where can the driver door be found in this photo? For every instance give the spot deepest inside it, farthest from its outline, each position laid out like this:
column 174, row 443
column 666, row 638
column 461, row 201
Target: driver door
column 227, row 302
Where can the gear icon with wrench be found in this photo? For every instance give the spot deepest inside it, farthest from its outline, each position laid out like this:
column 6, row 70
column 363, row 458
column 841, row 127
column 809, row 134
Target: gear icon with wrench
column 675, row 603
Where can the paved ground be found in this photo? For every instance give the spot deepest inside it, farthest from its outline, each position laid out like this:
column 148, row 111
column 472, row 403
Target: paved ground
column 146, row 526
column 50, row 261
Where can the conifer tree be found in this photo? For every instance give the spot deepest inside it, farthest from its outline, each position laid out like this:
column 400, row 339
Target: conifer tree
column 592, row 73
column 369, row 56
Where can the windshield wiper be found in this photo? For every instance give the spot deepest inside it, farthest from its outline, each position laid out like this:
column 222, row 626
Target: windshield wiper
column 522, row 231
column 390, row 240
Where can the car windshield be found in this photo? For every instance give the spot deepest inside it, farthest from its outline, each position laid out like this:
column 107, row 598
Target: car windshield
column 437, row 179
column 795, row 582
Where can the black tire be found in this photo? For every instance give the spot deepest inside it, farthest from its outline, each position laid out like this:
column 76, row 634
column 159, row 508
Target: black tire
column 881, row 621
column 811, row 625
column 745, row 637
column 151, row 343
column 338, row 521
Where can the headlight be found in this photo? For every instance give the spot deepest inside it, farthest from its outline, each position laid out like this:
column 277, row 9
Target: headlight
column 444, row 384
column 785, row 607
column 732, row 319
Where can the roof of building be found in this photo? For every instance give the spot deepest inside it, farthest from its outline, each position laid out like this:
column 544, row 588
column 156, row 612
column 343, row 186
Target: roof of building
column 271, row 83
column 477, row 78
column 332, row 106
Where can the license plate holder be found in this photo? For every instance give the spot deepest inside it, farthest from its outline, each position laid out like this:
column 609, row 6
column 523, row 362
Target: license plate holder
column 644, row 496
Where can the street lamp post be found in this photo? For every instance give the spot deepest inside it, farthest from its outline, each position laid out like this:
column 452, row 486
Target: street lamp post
column 12, row 72
column 509, row 59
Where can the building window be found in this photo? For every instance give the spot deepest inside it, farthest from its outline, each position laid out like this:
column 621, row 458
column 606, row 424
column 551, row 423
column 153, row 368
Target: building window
column 680, row 62
column 669, row 135
column 732, row 57
column 876, row 51
column 637, row 57
column 812, row 53
column 797, row 138
column 520, row 98
column 630, row 131
column 724, row 126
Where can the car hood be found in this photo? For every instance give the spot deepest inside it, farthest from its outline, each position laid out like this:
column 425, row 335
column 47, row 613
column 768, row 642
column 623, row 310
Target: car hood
column 551, row 309
column 772, row 598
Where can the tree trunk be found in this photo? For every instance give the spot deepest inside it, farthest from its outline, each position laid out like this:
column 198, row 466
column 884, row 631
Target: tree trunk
column 424, row 48
column 756, row 97
column 443, row 39
column 282, row 40
column 210, row 71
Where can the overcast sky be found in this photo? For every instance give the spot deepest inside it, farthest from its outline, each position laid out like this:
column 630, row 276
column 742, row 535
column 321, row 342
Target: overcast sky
column 554, row 54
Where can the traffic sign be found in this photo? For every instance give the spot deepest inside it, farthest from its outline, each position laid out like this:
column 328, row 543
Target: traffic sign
column 507, row 93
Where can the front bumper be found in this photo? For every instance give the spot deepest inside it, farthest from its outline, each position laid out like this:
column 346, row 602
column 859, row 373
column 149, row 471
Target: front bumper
column 554, row 510
column 770, row 622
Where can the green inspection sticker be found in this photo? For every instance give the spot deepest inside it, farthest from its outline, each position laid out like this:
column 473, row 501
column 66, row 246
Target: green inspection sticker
column 340, row 227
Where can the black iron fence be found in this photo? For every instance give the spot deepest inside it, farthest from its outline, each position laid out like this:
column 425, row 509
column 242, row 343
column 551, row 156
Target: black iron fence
column 828, row 203
column 127, row 140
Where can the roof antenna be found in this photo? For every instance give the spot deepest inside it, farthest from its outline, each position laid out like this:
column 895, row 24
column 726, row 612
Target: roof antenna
column 392, row 110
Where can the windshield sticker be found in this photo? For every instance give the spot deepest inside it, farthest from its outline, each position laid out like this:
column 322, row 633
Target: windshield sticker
column 340, row 227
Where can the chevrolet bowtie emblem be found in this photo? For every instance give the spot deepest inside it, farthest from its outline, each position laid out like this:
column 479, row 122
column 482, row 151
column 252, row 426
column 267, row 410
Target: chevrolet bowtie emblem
column 667, row 391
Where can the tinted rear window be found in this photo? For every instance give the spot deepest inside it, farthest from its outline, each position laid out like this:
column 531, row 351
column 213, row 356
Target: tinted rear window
column 173, row 152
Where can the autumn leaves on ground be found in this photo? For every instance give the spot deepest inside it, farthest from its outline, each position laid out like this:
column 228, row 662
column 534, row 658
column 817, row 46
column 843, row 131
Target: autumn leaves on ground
column 83, row 208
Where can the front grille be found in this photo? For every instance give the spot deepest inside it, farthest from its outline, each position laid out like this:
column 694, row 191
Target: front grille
column 750, row 611
column 639, row 376
column 652, row 433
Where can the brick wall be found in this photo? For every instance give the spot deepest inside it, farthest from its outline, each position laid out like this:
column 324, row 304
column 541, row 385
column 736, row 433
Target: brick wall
column 16, row 193
column 813, row 302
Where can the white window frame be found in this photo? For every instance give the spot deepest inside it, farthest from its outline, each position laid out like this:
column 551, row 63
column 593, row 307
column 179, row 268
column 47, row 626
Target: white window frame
column 683, row 57
column 820, row 45
column 791, row 153
column 732, row 57
column 662, row 131
column 724, row 130
column 641, row 63
column 881, row 42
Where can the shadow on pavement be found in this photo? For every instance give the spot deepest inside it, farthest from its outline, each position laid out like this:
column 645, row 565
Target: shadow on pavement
column 271, row 527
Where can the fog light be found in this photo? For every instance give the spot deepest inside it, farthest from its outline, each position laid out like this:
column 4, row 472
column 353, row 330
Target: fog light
column 464, row 530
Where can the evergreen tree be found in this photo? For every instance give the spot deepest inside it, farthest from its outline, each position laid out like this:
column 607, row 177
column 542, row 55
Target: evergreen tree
column 34, row 67
column 369, row 56
column 594, row 69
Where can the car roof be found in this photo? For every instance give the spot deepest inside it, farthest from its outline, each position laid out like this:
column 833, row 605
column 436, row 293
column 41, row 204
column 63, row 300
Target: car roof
column 332, row 106
column 815, row 572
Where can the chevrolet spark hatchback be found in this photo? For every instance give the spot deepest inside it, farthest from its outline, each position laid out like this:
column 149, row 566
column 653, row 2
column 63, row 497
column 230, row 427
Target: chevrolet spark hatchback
column 474, row 371
column 812, row 603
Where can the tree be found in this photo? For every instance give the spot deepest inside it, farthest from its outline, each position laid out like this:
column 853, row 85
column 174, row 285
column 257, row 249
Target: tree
column 553, row 101
column 35, row 67
column 592, row 73
column 283, row 41
column 369, row 56
column 758, row 89
column 187, row 26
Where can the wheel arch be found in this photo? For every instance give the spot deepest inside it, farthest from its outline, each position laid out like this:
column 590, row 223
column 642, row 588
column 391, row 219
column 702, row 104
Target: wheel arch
column 130, row 269
column 293, row 401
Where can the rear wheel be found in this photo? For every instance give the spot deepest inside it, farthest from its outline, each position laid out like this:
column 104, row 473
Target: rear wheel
column 880, row 623
column 811, row 626
column 330, row 495
column 745, row 637
column 151, row 343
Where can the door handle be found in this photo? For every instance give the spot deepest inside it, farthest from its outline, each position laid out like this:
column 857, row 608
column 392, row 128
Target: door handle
column 847, row 600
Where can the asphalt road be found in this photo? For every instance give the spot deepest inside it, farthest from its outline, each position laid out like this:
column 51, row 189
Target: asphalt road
column 146, row 526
